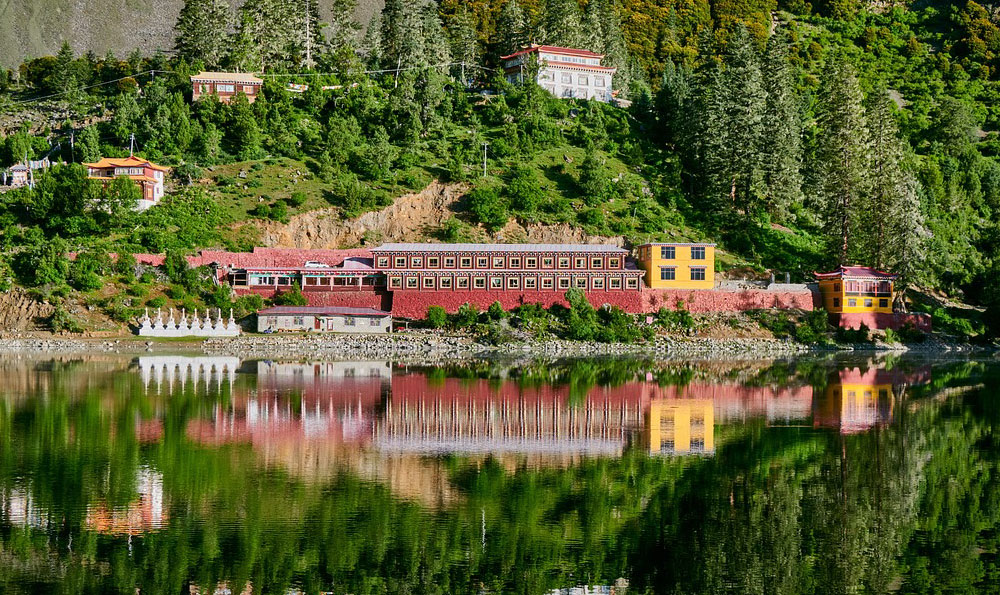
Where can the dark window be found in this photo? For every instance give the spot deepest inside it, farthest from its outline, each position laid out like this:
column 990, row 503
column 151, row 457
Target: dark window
column 852, row 303
column 479, row 282
column 668, row 252
column 868, row 303
column 697, row 253
column 466, row 262
column 697, row 273
column 883, row 303
column 668, row 273
column 836, row 302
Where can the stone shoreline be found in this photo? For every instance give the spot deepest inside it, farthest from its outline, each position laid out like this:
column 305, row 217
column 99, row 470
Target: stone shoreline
column 431, row 347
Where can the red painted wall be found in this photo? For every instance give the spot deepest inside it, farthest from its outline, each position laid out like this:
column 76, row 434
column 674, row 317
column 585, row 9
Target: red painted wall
column 346, row 299
column 414, row 304
column 882, row 320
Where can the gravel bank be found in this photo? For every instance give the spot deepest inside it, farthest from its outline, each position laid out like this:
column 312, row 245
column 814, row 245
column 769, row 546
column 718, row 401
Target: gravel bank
column 430, row 347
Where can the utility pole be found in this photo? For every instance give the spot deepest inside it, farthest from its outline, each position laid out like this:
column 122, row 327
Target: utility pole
column 72, row 152
column 485, row 144
column 131, row 145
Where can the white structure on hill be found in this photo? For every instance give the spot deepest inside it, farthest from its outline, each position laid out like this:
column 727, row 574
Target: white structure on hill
column 564, row 72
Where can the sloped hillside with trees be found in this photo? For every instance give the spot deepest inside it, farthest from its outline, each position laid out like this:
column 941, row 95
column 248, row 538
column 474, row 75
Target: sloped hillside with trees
column 798, row 136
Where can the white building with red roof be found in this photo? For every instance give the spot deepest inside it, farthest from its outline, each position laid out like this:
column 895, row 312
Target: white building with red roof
column 146, row 174
column 564, row 72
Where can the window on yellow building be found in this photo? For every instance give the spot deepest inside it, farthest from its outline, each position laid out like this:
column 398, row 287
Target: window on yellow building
column 697, row 273
column 668, row 273
column 697, row 253
column 868, row 303
column 852, row 303
column 668, row 252
column 883, row 303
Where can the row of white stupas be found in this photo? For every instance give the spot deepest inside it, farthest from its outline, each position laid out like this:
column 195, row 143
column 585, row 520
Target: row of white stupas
column 188, row 326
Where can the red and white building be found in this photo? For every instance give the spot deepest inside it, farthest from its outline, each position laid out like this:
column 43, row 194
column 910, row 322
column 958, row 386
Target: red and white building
column 225, row 85
column 564, row 72
column 518, row 268
column 146, row 174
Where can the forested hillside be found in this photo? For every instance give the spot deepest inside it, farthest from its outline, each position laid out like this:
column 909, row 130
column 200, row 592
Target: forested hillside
column 798, row 136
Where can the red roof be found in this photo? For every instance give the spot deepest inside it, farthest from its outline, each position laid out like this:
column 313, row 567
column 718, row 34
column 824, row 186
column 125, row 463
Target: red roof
column 857, row 272
column 554, row 49
column 320, row 311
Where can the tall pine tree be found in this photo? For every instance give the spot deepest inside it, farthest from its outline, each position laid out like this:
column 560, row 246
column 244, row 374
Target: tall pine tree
column 512, row 28
column 841, row 157
column 781, row 149
column 891, row 216
column 201, row 31
column 562, row 23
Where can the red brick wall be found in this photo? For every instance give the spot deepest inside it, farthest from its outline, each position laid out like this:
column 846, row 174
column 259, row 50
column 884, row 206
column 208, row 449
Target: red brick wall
column 347, row 299
column 414, row 304
column 882, row 320
column 713, row 300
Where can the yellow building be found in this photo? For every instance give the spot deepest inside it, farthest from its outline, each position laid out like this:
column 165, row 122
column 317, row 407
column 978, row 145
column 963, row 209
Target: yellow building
column 681, row 426
column 678, row 266
column 857, row 400
column 854, row 290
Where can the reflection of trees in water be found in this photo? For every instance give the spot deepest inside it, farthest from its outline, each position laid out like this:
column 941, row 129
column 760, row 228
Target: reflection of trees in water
column 776, row 510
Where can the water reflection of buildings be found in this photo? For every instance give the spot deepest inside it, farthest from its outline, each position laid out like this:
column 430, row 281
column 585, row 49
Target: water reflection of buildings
column 144, row 514
column 296, row 406
column 857, row 400
column 170, row 371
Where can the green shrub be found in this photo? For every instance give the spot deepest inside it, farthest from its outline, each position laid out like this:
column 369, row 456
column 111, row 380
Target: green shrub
column 496, row 311
column 488, row 207
column 437, row 317
column 290, row 297
column 157, row 302
column 297, row 199
column 62, row 321
column 466, row 316
column 675, row 320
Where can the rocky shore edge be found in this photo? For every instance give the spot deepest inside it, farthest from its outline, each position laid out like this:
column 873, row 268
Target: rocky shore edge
column 432, row 347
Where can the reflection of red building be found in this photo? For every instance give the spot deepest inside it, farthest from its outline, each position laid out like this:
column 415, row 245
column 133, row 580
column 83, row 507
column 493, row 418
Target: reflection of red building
column 857, row 400
column 330, row 402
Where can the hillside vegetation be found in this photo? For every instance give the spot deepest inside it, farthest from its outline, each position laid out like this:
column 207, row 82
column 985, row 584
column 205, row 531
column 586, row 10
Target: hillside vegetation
column 797, row 136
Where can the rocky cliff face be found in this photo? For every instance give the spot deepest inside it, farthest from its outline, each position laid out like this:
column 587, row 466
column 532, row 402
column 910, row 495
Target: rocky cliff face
column 33, row 28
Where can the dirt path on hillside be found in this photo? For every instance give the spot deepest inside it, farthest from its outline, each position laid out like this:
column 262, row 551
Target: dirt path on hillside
column 411, row 218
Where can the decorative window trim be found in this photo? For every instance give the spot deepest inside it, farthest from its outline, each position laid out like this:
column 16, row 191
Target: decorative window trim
column 531, row 262
column 382, row 262
column 465, row 262
column 479, row 282
column 563, row 282
column 547, row 283
column 461, row 282
column 449, row 262
column 444, row 283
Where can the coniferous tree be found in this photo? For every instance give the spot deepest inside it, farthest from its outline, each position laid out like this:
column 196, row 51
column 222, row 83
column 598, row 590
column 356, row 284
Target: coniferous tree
column 87, row 146
column 781, row 149
column 341, row 32
column 733, row 148
column 512, row 28
column 602, row 26
column 841, row 157
column 891, row 216
column 436, row 49
column 464, row 44
column 674, row 104
column 562, row 23
column 273, row 28
column 200, row 27
column 371, row 43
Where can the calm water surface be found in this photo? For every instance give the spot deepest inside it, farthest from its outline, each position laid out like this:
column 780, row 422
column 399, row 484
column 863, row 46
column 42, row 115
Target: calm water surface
column 215, row 475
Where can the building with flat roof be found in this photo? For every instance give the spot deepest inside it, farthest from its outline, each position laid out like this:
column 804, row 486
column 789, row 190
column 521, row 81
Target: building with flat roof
column 521, row 268
column 678, row 265
column 324, row 319
column 225, row 85
column 564, row 72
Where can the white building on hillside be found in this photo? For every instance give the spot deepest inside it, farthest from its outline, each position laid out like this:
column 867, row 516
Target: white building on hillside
column 564, row 72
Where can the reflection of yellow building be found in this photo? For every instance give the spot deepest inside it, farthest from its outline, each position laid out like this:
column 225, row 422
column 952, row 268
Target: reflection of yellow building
column 681, row 426
column 678, row 266
column 854, row 289
column 857, row 402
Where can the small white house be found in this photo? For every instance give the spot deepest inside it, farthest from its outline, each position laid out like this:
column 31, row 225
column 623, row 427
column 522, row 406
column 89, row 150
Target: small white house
column 323, row 319
column 564, row 72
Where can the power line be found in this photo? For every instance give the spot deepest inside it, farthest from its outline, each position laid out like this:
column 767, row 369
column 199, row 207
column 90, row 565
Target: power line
column 132, row 76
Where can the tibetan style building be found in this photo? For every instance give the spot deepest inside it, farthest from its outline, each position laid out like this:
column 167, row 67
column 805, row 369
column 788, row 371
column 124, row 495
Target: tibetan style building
column 146, row 174
column 564, row 72
column 225, row 85
column 856, row 296
column 519, row 268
